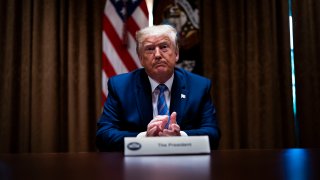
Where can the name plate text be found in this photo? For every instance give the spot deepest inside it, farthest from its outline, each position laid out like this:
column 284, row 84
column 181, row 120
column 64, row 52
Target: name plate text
column 166, row 145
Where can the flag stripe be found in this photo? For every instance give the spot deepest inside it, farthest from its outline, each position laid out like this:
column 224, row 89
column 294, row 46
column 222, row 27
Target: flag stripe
column 132, row 26
column 107, row 67
column 136, row 21
column 118, row 58
column 112, row 56
column 140, row 17
column 118, row 46
column 133, row 52
column 144, row 9
column 104, row 86
column 115, row 21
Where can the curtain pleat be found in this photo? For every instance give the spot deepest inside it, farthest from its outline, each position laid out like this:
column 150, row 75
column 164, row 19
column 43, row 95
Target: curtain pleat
column 50, row 74
column 247, row 55
column 306, row 28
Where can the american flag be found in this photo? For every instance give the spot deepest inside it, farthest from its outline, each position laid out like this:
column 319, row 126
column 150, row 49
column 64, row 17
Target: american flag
column 121, row 20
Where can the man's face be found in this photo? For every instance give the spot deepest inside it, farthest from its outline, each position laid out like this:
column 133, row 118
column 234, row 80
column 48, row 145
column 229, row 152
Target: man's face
column 158, row 56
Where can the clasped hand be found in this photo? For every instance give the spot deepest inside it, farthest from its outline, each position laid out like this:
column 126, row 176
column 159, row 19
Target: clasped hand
column 156, row 127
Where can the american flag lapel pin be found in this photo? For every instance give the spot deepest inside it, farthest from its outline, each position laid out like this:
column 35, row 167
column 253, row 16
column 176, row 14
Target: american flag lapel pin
column 183, row 96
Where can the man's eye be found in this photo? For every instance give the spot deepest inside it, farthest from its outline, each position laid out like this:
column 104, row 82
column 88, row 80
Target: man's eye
column 163, row 46
column 149, row 48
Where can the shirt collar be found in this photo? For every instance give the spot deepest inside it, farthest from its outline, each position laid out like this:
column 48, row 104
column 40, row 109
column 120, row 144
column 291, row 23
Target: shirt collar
column 154, row 84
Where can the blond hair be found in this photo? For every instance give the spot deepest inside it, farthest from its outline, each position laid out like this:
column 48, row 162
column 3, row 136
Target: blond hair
column 157, row 30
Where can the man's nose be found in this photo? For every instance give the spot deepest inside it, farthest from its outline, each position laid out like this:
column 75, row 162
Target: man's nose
column 157, row 52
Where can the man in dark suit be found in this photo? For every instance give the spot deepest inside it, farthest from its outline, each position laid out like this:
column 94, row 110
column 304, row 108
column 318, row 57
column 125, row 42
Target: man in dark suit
column 159, row 99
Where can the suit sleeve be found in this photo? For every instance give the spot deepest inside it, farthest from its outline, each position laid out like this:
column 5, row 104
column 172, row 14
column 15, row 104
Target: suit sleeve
column 207, row 119
column 109, row 136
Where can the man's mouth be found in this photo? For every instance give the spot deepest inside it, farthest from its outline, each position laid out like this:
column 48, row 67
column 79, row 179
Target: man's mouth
column 160, row 64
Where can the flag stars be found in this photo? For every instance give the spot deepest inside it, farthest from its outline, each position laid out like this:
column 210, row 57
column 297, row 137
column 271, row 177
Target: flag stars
column 123, row 11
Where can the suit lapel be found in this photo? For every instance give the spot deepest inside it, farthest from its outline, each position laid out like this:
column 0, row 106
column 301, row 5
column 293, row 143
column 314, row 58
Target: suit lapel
column 143, row 97
column 179, row 96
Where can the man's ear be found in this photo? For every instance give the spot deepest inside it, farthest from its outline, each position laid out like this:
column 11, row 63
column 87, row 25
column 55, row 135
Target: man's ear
column 141, row 62
column 177, row 56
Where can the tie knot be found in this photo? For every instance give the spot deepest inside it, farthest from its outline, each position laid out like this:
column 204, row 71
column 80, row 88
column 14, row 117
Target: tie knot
column 162, row 87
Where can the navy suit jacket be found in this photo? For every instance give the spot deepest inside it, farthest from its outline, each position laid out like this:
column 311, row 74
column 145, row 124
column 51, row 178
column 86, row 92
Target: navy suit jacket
column 128, row 108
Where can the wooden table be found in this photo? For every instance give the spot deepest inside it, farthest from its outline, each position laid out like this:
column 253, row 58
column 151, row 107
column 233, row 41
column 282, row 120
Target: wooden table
column 291, row 164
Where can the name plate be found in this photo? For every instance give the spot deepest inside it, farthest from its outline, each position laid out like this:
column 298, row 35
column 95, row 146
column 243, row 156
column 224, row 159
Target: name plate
column 166, row 145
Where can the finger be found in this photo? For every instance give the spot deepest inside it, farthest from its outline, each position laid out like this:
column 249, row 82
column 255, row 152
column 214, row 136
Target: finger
column 164, row 122
column 161, row 133
column 158, row 118
column 153, row 124
column 152, row 131
column 167, row 132
column 174, row 128
column 157, row 121
column 173, row 118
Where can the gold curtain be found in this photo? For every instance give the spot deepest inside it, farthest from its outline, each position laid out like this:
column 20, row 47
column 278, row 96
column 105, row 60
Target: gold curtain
column 50, row 75
column 247, row 55
column 306, row 28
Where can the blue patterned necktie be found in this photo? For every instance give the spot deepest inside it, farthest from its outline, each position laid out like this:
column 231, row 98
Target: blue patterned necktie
column 162, row 105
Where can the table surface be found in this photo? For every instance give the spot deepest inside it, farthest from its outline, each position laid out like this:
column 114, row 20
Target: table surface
column 291, row 164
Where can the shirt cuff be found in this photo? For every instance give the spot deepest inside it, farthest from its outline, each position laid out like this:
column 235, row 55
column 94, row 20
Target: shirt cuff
column 144, row 134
